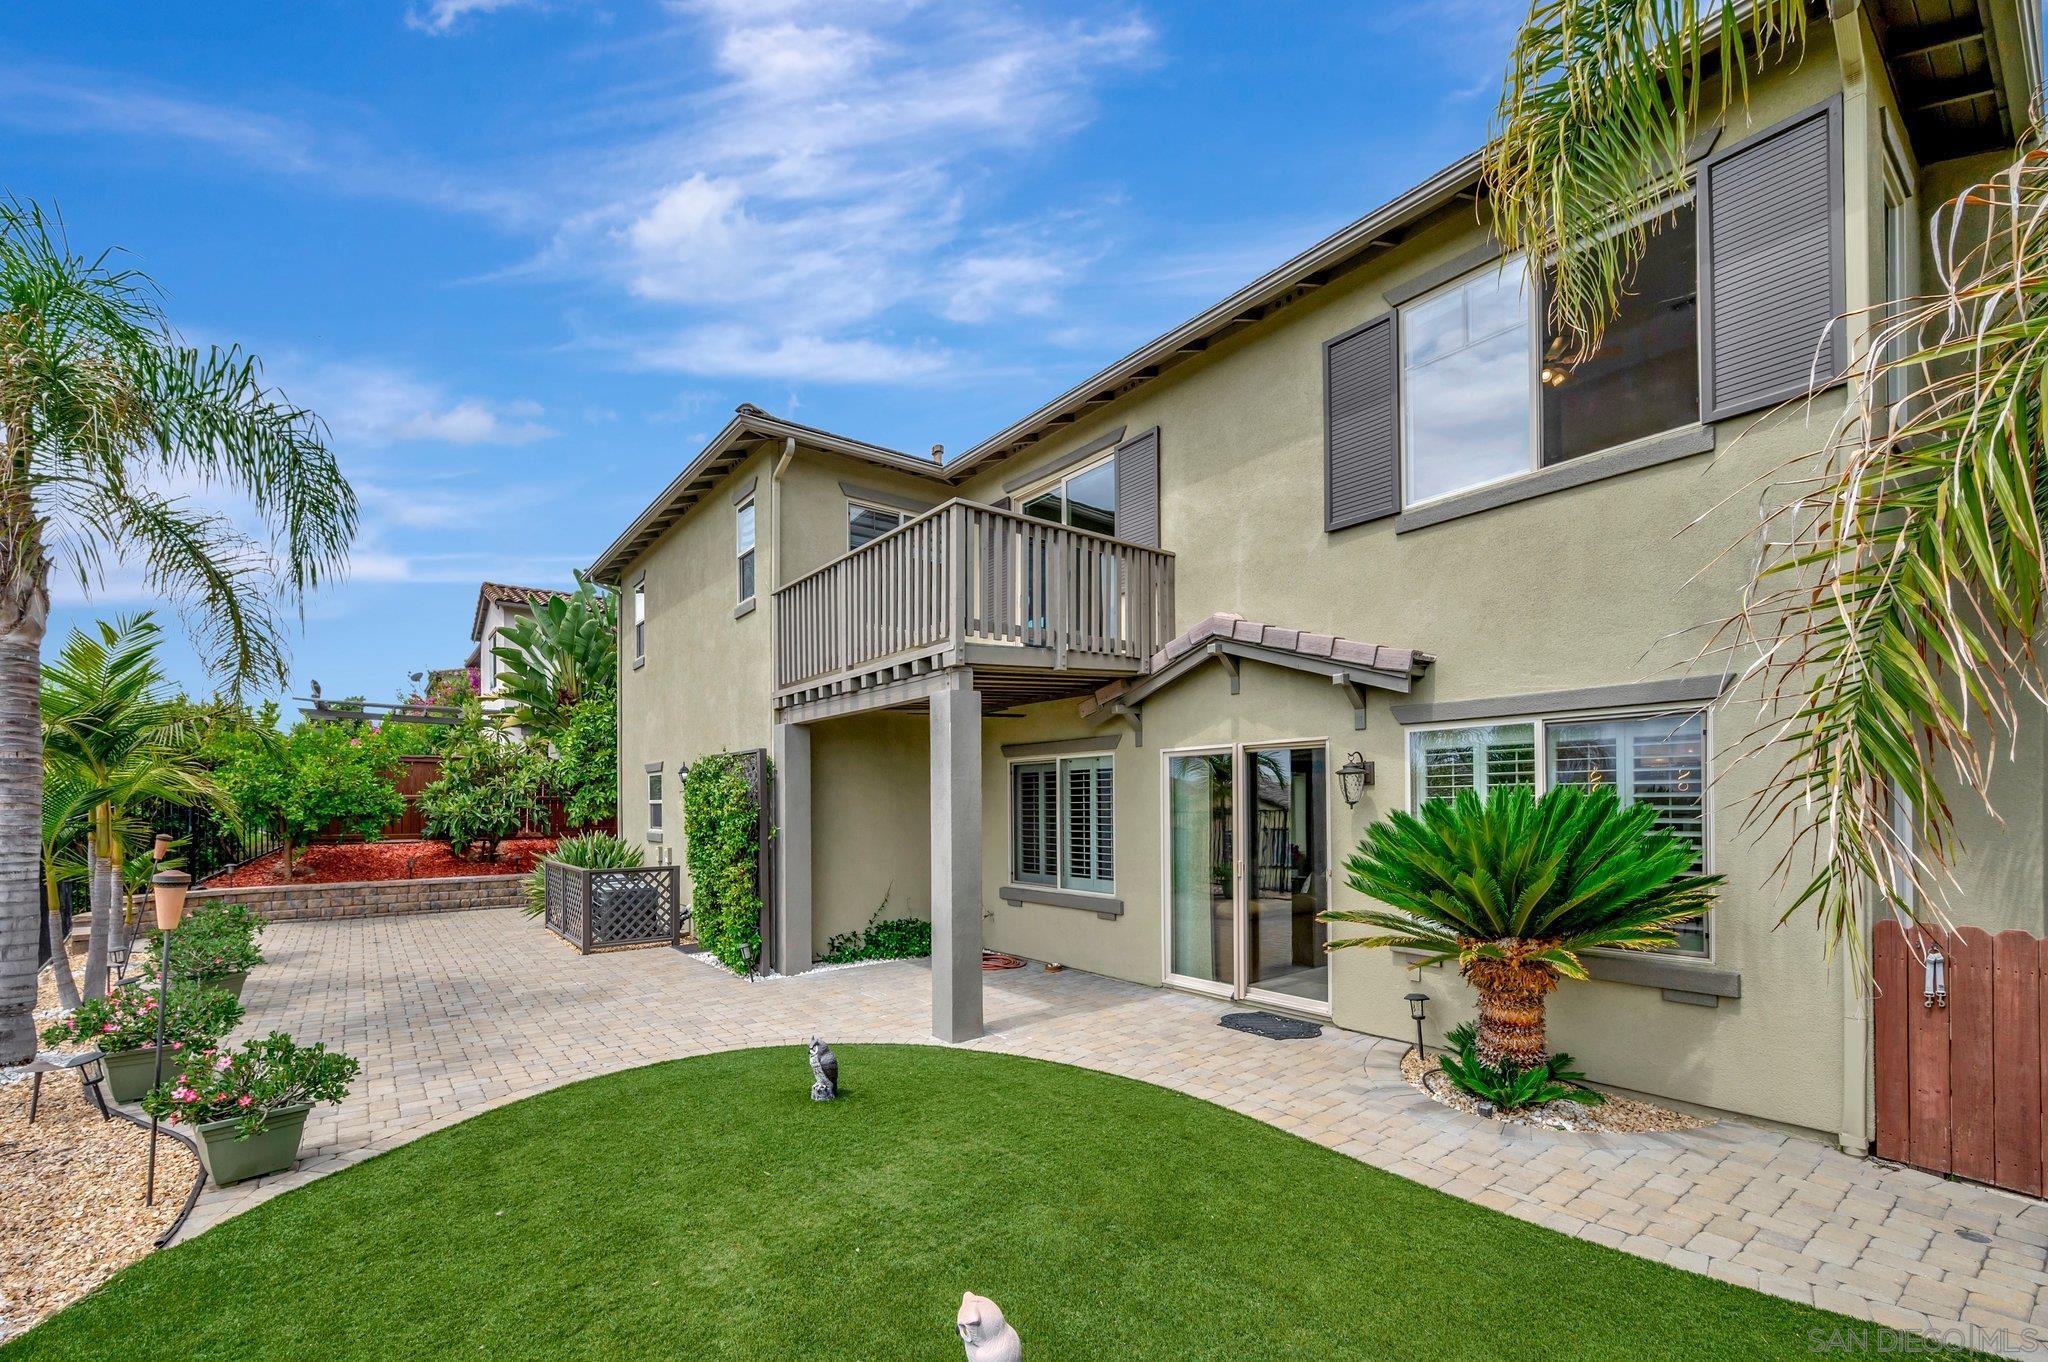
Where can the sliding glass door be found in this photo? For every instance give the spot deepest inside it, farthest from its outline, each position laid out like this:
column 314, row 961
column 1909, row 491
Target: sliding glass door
column 1248, row 872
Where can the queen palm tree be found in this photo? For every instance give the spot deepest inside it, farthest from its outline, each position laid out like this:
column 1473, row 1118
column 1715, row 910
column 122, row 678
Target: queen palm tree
column 103, row 410
column 1514, row 886
column 114, row 732
column 67, row 823
column 1892, row 620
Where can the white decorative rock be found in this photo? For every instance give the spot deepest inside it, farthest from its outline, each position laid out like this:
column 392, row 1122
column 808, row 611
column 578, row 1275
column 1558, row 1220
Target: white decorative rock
column 987, row 1336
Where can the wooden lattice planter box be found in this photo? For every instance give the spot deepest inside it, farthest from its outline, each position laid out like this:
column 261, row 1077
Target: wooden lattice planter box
column 595, row 910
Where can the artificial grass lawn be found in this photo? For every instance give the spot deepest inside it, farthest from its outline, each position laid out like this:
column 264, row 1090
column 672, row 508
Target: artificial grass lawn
column 707, row 1209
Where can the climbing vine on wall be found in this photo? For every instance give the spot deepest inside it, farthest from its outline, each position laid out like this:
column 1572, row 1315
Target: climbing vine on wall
column 721, row 831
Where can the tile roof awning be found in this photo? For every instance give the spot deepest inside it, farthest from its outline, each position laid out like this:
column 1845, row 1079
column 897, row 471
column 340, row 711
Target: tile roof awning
column 1229, row 639
column 499, row 593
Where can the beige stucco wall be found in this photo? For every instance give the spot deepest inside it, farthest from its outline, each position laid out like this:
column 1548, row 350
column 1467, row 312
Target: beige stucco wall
column 871, row 829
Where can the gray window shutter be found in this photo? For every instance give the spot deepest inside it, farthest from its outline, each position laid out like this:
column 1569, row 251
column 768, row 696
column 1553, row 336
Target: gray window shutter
column 1771, row 269
column 1137, row 489
column 1362, row 426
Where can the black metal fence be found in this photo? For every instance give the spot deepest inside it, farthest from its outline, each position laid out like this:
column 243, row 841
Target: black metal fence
column 206, row 842
column 599, row 909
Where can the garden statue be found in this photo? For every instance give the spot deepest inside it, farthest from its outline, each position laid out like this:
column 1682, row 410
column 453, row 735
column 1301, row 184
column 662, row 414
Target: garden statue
column 987, row 1336
column 824, row 1071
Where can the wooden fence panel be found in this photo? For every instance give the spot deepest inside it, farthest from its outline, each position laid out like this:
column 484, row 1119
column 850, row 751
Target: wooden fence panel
column 1960, row 1053
column 1969, row 1054
column 2016, row 1070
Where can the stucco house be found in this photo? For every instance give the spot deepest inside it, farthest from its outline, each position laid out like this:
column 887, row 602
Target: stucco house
column 497, row 607
column 1121, row 685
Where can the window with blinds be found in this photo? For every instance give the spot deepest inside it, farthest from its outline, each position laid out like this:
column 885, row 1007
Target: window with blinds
column 1063, row 823
column 865, row 524
column 1655, row 759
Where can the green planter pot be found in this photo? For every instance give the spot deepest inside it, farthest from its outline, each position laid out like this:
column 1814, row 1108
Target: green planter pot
column 230, row 1160
column 130, row 1072
column 231, row 982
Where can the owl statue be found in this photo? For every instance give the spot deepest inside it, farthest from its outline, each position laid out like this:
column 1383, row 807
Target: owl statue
column 824, row 1072
column 984, row 1332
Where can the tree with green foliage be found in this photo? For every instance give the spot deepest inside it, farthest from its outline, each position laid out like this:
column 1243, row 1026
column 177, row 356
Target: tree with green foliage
column 102, row 405
column 1514, row 887
column 721, row 833
column 488, row 790
column 299, row 783
column 585, row 772
column 566, row 650
column 116, row 735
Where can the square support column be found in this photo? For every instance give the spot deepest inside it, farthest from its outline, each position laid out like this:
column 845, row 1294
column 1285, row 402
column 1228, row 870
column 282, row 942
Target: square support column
column 956, row 862
column 791, row 949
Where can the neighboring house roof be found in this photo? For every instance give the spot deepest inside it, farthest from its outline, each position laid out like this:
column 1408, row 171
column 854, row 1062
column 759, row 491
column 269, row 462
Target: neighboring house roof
column 1227, row 636
column 498, row 593
column 749, row 431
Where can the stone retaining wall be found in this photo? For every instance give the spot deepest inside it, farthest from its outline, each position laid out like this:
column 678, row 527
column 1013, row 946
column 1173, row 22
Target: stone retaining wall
column 373, row 898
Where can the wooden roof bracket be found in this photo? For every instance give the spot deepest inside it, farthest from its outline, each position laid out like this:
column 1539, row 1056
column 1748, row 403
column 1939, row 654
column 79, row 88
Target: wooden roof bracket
column 1229, row 661
column 1355, row 693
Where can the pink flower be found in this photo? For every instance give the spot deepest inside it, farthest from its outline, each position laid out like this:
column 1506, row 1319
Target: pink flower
column 184, row 1094
column 177, row 1045
column 108, row 1027
column 245, row 1100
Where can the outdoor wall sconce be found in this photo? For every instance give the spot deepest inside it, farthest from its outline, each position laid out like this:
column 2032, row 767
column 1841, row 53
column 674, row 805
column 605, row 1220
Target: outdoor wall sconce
column 169, row 888
column 1418, row 1003
column 1354, row 775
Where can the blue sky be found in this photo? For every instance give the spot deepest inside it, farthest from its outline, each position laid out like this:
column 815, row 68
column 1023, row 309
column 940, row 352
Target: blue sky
column 526, row 257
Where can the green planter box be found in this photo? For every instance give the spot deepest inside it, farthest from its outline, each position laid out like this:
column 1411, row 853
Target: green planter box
column 231, row 982
column 129, row 1072
column 230, row 1160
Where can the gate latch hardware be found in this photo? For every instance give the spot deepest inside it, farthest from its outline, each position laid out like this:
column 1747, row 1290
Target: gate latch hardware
column 1936, row 991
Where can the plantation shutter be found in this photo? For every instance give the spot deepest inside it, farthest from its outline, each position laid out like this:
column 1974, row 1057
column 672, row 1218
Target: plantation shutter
column 1772, row 278
column 1362, row 427
column 1088, row 818
column 1137, row 489
column 1036, row 813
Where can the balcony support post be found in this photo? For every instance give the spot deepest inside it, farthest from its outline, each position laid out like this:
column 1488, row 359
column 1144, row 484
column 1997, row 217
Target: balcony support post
column 791, row 949
column 956, row 860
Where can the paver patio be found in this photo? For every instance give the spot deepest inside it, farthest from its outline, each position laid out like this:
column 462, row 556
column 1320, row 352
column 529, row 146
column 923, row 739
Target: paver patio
column 455, row 1012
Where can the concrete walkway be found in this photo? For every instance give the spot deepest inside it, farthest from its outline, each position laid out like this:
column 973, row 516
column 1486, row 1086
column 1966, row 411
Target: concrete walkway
column 453, row 1013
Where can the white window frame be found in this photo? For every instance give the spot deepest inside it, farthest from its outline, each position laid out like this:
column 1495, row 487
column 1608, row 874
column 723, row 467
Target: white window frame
column 1032, row 491
column 1900, row 267
column 1540, row 726
column 1533, row 301
column 752, row 551
column 1059, row 765
column 855, row 506
column 640, row 619
column 656, row 792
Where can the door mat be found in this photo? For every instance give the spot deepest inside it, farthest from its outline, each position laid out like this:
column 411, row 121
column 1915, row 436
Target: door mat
column 1270, row 1026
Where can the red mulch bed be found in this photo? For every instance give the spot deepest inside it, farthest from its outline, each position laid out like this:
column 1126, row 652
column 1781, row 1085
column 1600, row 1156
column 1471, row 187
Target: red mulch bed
column 383, row 861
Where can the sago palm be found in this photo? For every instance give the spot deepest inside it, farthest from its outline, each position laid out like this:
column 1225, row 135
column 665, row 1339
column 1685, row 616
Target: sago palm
column 1514, row 887
column 104, row 410
column 119, row 737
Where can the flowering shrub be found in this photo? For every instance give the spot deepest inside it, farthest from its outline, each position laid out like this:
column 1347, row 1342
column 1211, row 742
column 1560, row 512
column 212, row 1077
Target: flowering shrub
column 250, row 1085
column 214, row 939
column 126, row 1019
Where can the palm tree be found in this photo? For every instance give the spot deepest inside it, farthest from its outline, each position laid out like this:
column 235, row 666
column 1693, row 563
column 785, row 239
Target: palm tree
column 116, row 736
column 67, row 815
column 1514, row 886
column 1901, row 571
column 101, row 407
column 567, row 649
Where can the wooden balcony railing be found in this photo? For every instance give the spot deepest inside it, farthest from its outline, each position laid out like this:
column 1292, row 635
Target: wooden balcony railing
column 967, row 583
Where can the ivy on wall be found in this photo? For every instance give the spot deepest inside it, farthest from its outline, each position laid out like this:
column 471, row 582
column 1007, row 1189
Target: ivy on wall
column 721, row 831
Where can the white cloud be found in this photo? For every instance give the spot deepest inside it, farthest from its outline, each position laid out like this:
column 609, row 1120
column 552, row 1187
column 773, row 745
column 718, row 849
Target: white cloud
column 442, row 16
column 742, row 352
column 373, row 405
column 835, row 184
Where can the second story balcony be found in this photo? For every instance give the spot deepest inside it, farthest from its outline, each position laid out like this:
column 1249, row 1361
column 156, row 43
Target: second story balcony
column 1036, row 609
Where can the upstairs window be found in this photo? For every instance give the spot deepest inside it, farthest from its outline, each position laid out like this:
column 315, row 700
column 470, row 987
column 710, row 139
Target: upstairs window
column 640, row 621
column 743, row 540
column 865, row 523
column 1481, row 401
column 1085, row 499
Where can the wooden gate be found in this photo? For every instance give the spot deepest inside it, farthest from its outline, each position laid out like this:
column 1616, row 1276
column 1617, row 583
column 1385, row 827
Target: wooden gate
column 1959, row 1029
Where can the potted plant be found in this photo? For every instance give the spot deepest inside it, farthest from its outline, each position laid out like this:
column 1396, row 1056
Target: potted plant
column 215, row 947
column 247, row 1107
column 122, row 1027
